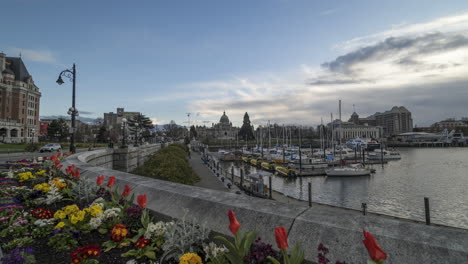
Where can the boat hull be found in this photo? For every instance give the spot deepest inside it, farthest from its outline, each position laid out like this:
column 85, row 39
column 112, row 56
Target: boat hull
column 347, row 173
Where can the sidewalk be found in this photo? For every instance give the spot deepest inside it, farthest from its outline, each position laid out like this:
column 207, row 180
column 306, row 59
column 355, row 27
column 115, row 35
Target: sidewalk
column 208, row 179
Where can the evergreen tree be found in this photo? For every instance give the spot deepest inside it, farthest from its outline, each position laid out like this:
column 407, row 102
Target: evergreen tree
column 58, row 129
column 139, row 125
column 193, row 132
column 246, row 133
column 102, row 135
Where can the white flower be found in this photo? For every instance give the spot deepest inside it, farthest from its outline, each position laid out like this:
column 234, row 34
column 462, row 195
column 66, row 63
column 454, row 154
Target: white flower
column 44, row 222
column 155, row 230
column 95, row 222
column 213, row 251
column 112, row 212
column 98, row 200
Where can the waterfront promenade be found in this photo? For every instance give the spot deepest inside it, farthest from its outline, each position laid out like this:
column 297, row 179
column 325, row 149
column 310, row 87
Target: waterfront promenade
column 207, row 179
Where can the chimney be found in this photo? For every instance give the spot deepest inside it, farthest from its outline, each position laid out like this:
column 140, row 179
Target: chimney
column 2, row 62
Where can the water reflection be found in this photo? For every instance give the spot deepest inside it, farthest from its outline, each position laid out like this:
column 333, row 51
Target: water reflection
column 396, row 189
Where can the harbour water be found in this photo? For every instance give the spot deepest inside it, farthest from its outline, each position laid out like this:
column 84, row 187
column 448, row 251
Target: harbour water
column 397, row 189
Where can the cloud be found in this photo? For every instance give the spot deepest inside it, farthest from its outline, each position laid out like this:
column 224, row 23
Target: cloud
column 454, row 23
column 420, row 66
column 328, row 12
column 34, row 55
column 156, row 121
column 86, row 113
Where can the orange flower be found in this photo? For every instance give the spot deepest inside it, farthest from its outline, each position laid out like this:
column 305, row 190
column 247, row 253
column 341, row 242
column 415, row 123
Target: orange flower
column 281, row 237
column 126, row 191
column 375, row 252
column 111, row 181
column 234, row 225
column 141, row 200
column 119, row 232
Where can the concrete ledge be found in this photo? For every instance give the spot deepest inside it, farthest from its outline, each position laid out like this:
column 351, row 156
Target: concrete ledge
column 339, row 229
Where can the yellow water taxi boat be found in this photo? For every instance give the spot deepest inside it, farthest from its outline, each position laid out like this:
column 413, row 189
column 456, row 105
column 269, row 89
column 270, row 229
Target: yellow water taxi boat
column 246, row 158
column 256, row 162
column 286, row 172
column 269, row 166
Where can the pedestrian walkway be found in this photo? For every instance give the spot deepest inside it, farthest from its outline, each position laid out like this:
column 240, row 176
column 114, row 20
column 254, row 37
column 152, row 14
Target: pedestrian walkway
column 207, row 178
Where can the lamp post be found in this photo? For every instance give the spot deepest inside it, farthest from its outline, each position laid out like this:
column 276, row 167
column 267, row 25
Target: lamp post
column 71, row 74
column 32, row 138
column 136, row 134
column 124, row 123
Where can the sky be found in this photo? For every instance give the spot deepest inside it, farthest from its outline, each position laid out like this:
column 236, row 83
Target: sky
column 285, row 61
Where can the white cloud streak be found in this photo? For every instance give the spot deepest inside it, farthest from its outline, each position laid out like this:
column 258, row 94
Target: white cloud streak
column 45, row 56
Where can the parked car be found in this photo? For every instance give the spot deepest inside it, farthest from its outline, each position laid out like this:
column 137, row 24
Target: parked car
column 51, row 147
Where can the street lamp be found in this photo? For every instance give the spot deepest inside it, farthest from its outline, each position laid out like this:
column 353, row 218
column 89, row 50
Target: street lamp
column 32, row 138
column 124, row 123
column 71, row 74
column 136, row 135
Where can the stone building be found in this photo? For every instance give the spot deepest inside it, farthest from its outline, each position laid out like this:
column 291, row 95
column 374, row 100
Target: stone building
column 395, row 121
column 221, row 130
column 114, row 120
column 19, row 102
column 350, row 130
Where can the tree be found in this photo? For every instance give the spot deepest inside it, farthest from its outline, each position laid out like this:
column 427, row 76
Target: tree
column 173, row 130
column 193, row 132
column 140, row 125
column 102, row 135
column 58, row 129
column 246, row 133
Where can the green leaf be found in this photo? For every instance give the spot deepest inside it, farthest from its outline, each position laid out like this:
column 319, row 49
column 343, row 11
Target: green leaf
column 150, row 254
column 129, row 253
column 274, row 261
column 102, row 231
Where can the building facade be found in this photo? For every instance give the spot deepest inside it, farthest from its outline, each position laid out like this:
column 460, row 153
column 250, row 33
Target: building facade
column 393, row 122
column 114, row 120
column 221, row 130
column 349, row 130
column 19, row 102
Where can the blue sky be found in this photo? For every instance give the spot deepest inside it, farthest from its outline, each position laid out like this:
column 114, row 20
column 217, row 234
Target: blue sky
column 167, row 58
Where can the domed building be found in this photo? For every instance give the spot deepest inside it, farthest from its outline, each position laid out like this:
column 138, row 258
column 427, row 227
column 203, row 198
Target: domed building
column 221, row 130
column 19, row 102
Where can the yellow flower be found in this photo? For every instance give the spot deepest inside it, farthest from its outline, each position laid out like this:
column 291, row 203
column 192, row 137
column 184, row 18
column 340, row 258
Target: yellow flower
column 24, row 176
column 60, row 214
column 59, row 183
column 60, row 225
column 40, row 173
column 45, row 187
column 71, row 209
column 190, row 258
column 95, row 210
column 77, row 217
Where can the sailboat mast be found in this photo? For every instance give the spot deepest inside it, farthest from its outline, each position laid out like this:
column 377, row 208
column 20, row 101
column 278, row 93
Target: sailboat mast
column 269, row 136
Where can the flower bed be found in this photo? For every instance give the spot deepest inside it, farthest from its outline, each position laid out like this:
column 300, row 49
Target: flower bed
column 50, row 216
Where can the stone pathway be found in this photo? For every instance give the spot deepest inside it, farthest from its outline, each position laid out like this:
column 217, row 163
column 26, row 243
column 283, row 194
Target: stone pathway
column 208, row 179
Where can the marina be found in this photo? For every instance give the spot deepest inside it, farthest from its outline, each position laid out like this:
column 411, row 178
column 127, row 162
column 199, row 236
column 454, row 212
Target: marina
column 397, row 188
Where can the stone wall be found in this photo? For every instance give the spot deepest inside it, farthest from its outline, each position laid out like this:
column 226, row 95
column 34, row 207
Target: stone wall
column 341, row 229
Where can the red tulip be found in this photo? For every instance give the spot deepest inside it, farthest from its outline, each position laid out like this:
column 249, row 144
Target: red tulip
column 76, row 173
column 100, row 180
column 375, row 252
column 126, row 191
column 59, row 166
column 141, row 200
column 281, row 237
column 111, row 181
column 234, row 225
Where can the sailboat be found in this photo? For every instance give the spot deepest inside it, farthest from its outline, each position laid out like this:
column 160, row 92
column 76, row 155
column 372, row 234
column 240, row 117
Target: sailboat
column 351, row 170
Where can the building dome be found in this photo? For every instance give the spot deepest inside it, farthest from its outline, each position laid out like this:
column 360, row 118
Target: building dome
column 224, row 119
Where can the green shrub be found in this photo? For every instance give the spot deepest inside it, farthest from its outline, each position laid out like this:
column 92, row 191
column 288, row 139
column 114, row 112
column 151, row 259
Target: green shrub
column 32, row 147
column 169, row 164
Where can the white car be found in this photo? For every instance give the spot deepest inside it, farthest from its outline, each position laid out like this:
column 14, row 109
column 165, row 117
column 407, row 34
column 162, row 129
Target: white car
column 51, row 147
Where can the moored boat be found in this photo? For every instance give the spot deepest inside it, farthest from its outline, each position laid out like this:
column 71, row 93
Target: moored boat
column 346, row 171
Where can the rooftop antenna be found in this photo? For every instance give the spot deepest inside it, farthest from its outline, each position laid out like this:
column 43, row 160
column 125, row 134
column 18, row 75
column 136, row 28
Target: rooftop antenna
column 354, row 109
column 20, row 54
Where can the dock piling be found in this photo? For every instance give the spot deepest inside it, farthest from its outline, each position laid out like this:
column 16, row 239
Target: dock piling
column 269, row 188
column 364, row 208
column 241, row 176
column 310, row 194
column 426, row 209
